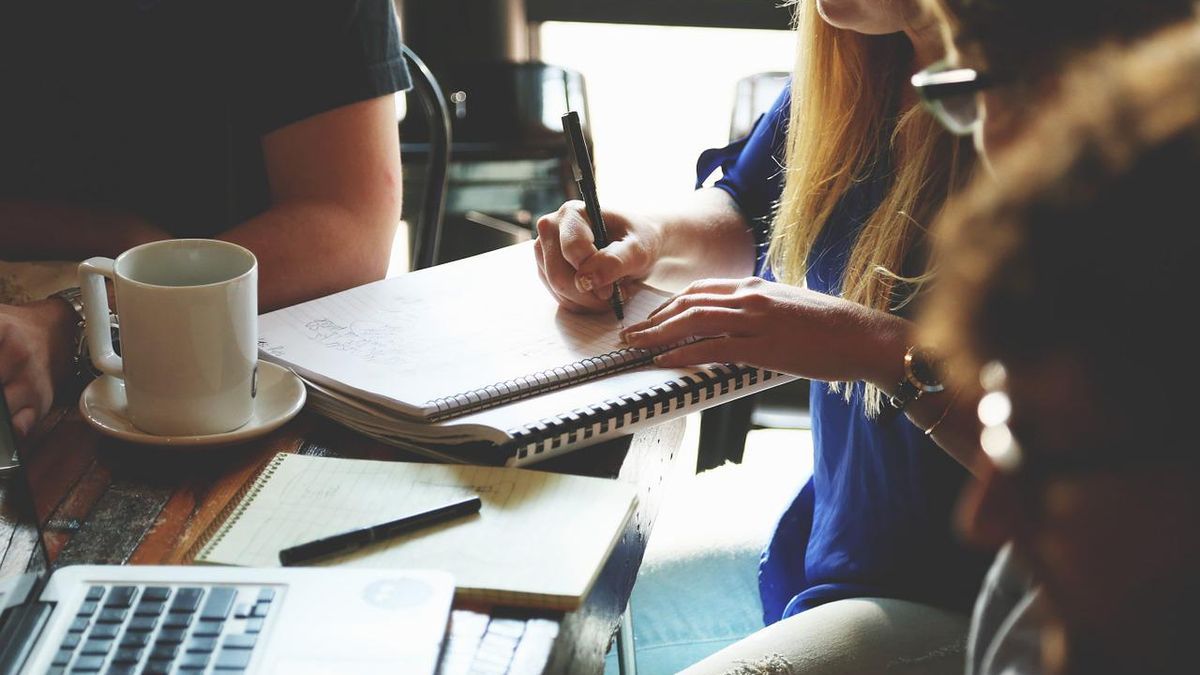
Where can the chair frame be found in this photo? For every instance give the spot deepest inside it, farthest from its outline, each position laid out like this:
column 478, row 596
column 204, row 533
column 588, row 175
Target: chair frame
column 428, row 224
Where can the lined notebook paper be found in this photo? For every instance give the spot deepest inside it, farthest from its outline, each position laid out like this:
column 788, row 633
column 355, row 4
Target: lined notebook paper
column 539, row 539
column 478, row 353
column 455, row 338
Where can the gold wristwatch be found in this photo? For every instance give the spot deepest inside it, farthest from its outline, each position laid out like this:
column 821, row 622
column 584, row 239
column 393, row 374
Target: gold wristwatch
column 922, row 375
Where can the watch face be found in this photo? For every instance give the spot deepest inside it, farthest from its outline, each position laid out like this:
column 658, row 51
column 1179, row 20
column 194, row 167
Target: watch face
column 924, row 370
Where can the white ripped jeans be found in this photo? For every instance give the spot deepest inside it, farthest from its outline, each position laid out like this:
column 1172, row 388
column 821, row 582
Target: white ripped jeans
column 861, row 636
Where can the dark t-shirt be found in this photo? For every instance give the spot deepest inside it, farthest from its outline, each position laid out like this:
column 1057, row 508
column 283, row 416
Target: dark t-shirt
column 158, row 107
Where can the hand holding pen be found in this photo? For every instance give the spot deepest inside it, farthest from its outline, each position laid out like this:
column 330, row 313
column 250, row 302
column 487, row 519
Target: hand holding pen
column 581, row 166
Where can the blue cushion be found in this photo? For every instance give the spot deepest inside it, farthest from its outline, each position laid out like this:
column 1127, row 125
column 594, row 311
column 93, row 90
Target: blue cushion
column 686, row 609
column 697, row 591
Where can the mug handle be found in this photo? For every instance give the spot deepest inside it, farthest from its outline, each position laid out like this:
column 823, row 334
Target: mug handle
column 92, row 273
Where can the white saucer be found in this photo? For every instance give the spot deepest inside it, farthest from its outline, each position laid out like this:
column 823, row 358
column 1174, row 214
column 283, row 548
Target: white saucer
column 280, row 396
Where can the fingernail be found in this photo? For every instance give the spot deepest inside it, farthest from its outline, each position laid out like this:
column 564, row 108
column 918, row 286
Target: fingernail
column 584, row 283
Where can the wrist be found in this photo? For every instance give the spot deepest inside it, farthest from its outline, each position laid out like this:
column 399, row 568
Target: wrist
column 922, row 377
column 953, row 398
column 55, row 315
column 59, row 324
column 884, row 353
column 653, row 233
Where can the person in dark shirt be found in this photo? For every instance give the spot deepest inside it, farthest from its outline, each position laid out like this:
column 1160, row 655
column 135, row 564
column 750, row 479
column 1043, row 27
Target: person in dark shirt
column 266, row 123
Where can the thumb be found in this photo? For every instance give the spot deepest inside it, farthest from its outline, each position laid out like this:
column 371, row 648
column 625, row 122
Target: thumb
column 622, row 259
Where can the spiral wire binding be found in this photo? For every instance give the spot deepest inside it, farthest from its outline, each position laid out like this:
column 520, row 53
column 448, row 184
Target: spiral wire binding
column 233, row 511
column 527, row 386
column 583, row 423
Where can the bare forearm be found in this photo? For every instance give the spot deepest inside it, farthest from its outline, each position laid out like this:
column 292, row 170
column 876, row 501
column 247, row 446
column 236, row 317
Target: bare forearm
column 31, row 230
column 302, row 248
column 335, row 189
column 306, row 250
column 703, row 236
column 958, row 430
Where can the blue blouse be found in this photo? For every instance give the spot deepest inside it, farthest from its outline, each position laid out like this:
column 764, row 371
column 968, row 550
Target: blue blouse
column 875, row 518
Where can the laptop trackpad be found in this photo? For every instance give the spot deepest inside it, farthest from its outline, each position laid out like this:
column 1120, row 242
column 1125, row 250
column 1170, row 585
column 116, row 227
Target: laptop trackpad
column 393, row 623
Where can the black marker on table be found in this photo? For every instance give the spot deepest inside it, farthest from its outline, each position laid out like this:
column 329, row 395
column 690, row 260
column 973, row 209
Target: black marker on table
column 354, row 539
column 581, row 165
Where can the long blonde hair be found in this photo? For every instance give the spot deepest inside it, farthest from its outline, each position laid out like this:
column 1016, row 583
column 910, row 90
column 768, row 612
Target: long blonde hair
column 846, row 117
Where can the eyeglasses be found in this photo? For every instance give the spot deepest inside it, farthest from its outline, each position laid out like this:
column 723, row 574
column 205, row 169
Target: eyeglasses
column 949, row 93
column 1035, row 464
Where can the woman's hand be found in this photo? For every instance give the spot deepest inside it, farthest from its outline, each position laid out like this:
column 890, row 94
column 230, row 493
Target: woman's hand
column 579, row 275
column 775, row 326
column 35, row 346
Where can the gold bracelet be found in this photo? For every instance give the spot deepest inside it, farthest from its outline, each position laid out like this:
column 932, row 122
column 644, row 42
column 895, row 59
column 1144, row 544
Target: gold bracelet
column 930, row 430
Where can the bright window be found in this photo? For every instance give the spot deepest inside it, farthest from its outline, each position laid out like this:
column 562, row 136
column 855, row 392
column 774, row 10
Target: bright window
column 659, row 96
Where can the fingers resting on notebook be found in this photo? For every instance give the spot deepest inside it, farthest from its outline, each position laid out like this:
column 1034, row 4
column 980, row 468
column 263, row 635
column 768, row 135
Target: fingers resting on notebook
column 772, row 325
column 578, row 275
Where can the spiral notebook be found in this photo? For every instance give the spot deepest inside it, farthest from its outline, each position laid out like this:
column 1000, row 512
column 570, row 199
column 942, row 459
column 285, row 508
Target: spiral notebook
column 475, row 360
column 540, row 539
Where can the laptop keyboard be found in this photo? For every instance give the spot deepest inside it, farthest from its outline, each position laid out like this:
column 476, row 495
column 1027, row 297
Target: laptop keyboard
column 164, row 630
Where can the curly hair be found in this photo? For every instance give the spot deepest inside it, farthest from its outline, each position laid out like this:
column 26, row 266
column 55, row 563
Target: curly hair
column 1021, row 39
column 1087, row 241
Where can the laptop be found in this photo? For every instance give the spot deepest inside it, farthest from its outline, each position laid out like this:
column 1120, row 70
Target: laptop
column 169, row 620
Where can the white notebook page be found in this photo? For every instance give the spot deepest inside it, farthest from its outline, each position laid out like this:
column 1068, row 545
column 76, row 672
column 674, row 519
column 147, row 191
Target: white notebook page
column 406, row 341
column 539, row 538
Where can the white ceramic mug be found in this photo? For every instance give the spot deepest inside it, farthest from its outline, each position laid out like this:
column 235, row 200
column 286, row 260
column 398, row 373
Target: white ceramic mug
column 189, row 333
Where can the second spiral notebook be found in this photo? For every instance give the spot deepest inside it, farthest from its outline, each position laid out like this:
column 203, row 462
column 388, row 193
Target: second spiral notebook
column 474, row 360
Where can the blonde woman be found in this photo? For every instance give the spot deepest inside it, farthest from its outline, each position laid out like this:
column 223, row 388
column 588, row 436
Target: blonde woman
column 863, row 570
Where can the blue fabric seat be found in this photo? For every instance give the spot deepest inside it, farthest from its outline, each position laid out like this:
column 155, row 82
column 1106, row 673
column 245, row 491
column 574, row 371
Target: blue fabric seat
column 687, row 609
column 697, row 591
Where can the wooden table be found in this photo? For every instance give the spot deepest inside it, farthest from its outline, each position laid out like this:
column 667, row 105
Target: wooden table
column 106, row 501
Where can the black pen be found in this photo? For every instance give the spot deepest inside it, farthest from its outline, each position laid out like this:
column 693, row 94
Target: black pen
column 581, row 165
column 348, row 541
